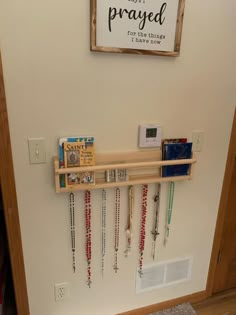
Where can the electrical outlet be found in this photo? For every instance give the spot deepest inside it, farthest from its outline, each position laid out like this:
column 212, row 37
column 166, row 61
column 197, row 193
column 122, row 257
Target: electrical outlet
column 61, row 291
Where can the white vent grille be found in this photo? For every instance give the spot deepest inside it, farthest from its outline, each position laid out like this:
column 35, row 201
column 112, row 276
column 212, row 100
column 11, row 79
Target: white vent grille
column 153, row 276
column 163, row 274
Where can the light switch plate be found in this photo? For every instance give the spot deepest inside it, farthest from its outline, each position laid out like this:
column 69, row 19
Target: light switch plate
column 37, row 152
column 197, row 139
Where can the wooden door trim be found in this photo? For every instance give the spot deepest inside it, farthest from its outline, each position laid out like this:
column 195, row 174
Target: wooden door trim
column 222, row 209
column 11, row 214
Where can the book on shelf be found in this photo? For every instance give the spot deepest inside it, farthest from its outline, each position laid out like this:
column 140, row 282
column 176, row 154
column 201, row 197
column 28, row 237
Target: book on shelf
column 176, row 151
column 117, row 175
column 80, row 178
column 174, row 140
column 76, row 152
column 171, row 140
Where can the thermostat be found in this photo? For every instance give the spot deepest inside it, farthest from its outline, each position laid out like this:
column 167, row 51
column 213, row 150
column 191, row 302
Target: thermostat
column 150, row 136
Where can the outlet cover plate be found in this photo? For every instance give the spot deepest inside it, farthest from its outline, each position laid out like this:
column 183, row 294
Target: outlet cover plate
column 61, row 291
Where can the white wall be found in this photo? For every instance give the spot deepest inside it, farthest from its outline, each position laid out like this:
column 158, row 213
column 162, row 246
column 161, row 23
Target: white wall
column 55, row 87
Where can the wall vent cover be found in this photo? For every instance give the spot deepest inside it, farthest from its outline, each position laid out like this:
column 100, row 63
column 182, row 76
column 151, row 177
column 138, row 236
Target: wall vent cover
column 164, row 274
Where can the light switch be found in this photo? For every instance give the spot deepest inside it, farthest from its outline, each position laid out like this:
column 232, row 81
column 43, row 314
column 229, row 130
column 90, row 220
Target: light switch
column 197, row 138
column 37, row 152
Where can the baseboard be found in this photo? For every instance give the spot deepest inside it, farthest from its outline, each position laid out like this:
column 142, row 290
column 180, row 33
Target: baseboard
column 191, row 298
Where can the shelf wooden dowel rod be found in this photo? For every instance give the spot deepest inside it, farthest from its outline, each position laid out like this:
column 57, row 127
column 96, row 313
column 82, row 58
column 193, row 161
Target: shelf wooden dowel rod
column 139, row 181
column 97, row 168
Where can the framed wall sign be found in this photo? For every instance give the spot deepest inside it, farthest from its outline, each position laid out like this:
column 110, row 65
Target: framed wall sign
column 152, row 27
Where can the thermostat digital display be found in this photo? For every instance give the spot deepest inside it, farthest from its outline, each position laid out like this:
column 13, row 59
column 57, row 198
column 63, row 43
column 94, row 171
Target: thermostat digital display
column 151, row 132
column 150, row 136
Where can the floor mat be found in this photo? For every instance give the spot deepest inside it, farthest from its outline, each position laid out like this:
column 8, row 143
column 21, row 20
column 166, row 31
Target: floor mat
column 182, row 309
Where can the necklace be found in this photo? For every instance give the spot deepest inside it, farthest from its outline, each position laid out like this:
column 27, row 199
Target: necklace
column 117, row 227
column 72, row 227
column 169, row 210
column 130, row 217
column 103, row 227
column 142, row 229
column 88, row 233
column 155, row 232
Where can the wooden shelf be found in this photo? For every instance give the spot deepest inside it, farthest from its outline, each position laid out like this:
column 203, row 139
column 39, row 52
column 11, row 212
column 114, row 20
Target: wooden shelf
column 148, row 163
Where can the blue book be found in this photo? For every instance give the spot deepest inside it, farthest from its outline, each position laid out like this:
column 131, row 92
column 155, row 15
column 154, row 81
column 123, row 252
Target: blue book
column 176, row 151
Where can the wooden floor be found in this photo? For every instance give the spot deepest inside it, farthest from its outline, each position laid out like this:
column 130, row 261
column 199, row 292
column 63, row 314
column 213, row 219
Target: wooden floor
column 220, row 304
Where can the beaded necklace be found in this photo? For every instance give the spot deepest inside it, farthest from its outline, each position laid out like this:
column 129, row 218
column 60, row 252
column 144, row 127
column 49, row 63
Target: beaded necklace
column 169, row 210
column 117, row 227
column 142, row 228
column 155, row 232
column 72, row 227
column 130, row 217
column 88, row 233
column 103, row 227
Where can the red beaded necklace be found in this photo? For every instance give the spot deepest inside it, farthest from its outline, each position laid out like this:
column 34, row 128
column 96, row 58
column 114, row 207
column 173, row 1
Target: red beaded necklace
column 142, row 228
column 117, row 227
column 88, row 233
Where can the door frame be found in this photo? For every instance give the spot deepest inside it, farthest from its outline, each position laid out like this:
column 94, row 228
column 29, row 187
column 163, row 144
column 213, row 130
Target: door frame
column 222, row 209
column 7, row 181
